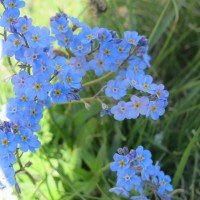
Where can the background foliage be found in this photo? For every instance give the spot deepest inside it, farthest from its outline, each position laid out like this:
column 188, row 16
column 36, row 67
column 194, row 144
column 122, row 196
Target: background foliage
column 78, row 144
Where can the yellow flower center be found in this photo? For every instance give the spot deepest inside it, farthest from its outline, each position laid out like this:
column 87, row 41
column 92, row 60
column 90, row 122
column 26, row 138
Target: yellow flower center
column 140, row 158
column 4, row 142
column 60, row 28
column 163, row 183
column 24, row 98
column 136, row 69
column 35, row 38
column 37, row 86
column 89, row 36
column 131, row 41
column 121, row 163
column 158, row 93
column 33, row 112
column 107, row 52
column 59, row 67
column 16, row 42
column 153, row 108
column 146, row 86
column 10, row 19
column 57, row 93
column 24, row 138
column 12, row 4
column 137, row 105
column 100, row 63
column 24, row 28
column 69, row 79
column 102, row 37
column 66, row 40
column 121, row 49
column 16, row 126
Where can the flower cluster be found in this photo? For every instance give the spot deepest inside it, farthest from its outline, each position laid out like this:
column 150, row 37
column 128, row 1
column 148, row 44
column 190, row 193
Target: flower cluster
column 135, row 172
column 48, row 76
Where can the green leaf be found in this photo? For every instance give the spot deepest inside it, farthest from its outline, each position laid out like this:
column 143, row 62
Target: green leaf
column 163, row 22
column 184, row 158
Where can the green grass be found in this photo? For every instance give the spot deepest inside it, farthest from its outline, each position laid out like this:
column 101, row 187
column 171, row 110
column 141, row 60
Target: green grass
column 77, row 145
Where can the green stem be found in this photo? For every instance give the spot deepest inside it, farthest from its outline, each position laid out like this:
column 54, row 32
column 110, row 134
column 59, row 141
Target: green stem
column 97, row 80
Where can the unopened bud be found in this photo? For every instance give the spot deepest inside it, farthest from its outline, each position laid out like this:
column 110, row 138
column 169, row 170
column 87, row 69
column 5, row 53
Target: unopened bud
column 17, row 188
column 87, row 106
column 28, row 164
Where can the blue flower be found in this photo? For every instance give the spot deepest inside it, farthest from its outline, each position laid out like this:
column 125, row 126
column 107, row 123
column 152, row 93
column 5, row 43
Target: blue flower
column 121, row 50
column 8, row 159
column 39, row 37
column 103, row 35
column 98, row 65
column 78, row 48
column 45, row 70
column 115, row 90
column 143, row 157
column 33, row 125
column 38, row 87
column 127, row 179
column 14, row 3
column 137, row 106
column 136, row 65
column 28, row 141
column 107, row 51
column 161, row 93
column 146, row 85
column 121, row 111
column 12, row 44
column 164, row 183
column 79, row 65
column 9, row 17
column 132, row 37
column 150, row 173
column 134, row 79
column 21, row 81
column 13, row 109
column 71, row 79
column 122, row 79
column 120, row 163
column 65, row 39
column 34, row 111
column 59, row 24
column 23, row 25
column 34, row 56
column 8, row 142
column 60, row 63
column 155, row 109
column 59, row 93
column 86, row 35
column 76, row 23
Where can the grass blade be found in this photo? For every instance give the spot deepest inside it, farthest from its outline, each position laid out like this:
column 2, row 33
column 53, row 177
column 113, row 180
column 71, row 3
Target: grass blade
column 184, row 158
